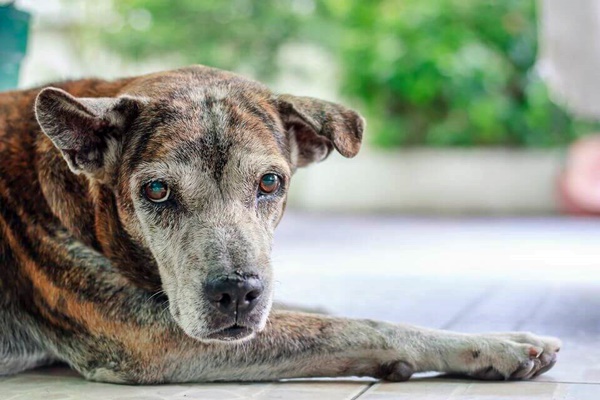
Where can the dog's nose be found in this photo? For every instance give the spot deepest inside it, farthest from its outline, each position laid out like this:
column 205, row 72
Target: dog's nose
column 234, row 296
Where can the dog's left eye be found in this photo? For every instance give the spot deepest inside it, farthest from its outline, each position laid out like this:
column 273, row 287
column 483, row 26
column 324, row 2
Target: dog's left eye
column 269, row 183
column 157, row 191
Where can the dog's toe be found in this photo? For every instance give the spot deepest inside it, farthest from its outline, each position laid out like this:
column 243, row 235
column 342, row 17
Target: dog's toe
column 547, row 361
column 524, row 371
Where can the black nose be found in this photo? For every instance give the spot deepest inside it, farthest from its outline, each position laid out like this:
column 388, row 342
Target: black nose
column 234, row 295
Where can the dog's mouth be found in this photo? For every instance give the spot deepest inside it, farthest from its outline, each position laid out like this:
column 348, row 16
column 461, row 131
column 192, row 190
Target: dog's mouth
column 231, row 333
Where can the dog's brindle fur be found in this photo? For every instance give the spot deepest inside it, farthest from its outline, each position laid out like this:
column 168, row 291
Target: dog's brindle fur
column 95, row 275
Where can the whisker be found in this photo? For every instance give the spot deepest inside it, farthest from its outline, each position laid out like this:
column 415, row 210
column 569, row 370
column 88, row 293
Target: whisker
column 162, row 291
column 165, row 309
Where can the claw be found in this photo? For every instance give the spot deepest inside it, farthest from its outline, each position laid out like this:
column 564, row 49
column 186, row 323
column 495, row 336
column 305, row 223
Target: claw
column 545, row 369
column 524, row 370
column 546, row 362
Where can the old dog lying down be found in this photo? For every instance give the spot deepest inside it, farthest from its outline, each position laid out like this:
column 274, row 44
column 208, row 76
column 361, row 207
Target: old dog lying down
column 136, row 220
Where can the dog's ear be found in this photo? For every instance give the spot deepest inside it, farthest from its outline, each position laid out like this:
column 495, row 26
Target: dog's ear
column 315, row 127
column 87, row 131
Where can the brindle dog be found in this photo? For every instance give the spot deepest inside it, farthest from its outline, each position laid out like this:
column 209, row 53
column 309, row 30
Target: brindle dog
column 136, row 220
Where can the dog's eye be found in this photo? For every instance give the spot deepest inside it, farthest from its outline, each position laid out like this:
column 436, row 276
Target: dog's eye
column 269, row 183
column 157, row 191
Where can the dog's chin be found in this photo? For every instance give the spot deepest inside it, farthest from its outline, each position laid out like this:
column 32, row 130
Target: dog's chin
column 220, row 328
column 227, row 334
column 233, row 333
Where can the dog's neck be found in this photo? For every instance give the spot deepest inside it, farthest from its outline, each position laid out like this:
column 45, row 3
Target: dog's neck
column 88, row 210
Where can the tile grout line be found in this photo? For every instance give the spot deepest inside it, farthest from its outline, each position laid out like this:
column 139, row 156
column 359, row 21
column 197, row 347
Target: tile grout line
column 564, row 383
column 529, row 382
column 364, row 390
column 471, row 381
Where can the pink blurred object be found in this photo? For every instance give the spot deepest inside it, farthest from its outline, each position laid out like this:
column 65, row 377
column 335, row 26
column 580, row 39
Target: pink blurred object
column 579, row 185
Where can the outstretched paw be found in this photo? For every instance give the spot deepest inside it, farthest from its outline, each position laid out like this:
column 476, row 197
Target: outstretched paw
column 515, row 356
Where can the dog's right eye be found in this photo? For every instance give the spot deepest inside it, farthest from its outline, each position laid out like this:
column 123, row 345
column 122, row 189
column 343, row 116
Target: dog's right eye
column 269, row 183
column 157, row 191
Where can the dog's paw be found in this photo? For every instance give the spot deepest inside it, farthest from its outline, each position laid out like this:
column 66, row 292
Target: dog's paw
column 515, row 356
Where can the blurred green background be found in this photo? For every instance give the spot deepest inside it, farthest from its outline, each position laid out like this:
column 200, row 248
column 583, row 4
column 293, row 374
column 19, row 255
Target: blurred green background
column 425, row 72
column 437, row 73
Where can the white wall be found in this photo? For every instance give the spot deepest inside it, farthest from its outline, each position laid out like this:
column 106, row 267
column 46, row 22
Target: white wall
column 449, row 181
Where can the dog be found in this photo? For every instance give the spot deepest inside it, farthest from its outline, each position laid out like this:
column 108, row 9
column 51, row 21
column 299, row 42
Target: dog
column 136, row 221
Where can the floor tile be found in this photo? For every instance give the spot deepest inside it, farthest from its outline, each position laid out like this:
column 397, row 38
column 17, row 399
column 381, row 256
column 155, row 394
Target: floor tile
column 442, row 390
column 61, row 383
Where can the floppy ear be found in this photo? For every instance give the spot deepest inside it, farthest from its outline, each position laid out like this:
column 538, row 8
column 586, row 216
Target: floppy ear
column 87, row 131
column 315, row 127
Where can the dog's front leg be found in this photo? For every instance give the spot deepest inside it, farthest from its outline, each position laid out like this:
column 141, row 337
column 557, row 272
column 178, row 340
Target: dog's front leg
column 297, row 345
column 303, row 345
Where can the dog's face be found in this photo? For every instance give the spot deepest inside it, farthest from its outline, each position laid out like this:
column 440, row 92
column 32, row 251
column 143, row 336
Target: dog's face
column 200, row 162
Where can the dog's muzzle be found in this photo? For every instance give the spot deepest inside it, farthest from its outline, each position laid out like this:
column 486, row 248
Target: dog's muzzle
column 234, row 297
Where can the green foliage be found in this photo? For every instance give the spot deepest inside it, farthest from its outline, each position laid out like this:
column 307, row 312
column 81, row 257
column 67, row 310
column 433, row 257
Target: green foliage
column 426, row 72
column 451, row 73
column 238, row 34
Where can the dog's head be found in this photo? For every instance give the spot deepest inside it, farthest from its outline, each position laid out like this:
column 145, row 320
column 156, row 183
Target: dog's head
column 200, row 161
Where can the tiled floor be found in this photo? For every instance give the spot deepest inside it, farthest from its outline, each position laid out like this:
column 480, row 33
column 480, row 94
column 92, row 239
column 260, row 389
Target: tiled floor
column 541, row 275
